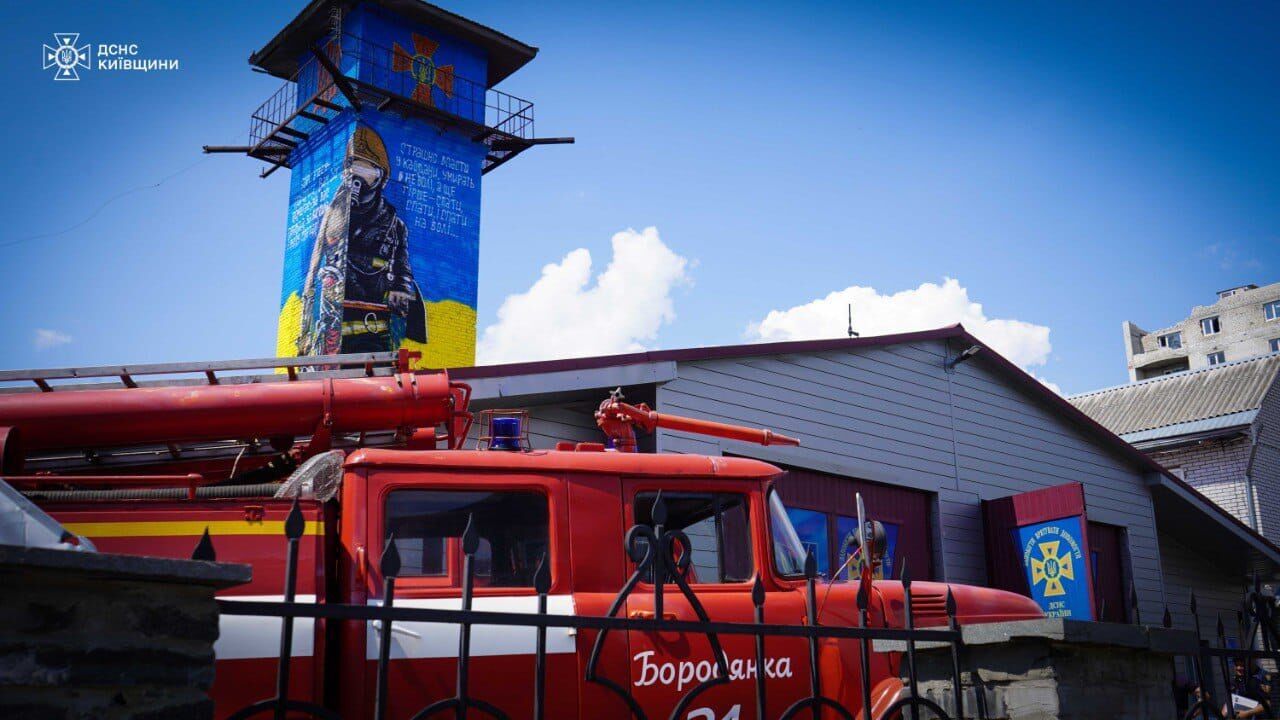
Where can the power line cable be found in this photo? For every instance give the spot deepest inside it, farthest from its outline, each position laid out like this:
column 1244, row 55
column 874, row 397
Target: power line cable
column 103, row 206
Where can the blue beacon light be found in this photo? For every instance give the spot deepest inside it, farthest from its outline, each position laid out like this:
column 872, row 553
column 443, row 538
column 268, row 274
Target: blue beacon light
column 506, row 433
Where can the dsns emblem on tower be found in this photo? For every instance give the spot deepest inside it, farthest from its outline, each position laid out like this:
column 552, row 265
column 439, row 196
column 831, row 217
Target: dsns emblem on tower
column 66, row 56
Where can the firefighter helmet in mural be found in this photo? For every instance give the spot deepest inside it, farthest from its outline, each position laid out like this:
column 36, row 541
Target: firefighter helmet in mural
column 367, row 145
column 359, row 294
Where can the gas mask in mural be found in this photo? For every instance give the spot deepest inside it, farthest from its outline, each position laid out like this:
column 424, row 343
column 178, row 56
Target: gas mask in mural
column 359, row 294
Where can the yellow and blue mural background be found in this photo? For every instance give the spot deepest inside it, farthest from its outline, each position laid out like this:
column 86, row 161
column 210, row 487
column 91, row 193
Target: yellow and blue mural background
column 433, row 182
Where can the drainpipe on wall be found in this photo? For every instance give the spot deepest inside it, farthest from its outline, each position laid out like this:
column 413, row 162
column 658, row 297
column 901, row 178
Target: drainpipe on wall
column 940, row 555
column 1255, row 520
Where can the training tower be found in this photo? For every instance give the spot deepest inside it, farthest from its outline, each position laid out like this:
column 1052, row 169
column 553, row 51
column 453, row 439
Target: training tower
column 387, row 119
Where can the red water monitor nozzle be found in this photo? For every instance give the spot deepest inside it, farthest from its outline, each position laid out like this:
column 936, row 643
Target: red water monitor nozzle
column 618, row 420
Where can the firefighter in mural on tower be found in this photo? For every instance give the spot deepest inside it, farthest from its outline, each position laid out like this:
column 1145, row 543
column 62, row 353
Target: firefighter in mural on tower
column 359, row 294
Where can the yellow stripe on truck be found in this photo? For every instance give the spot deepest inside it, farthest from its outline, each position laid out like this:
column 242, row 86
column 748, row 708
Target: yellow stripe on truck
column 163, row 528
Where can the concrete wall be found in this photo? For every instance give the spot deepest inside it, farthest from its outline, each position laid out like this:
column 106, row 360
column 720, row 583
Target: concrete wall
column 1056, row 669
column 894, row 415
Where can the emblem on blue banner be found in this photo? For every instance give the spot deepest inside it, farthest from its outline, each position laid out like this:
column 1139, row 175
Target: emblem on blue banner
column 1057, row 571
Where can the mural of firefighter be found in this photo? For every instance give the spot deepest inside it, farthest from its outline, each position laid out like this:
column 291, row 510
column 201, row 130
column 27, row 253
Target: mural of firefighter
column 359, row 293
column 382, row 240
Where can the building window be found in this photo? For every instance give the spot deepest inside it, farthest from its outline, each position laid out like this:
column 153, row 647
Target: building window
column 1275, row 344
column 1272, row 310
column 1173, row 340
column 1210, row 326
column 1217, row 358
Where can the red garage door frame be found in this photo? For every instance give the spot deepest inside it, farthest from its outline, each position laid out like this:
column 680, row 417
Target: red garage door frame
column 908, row 508
column 1105, row 546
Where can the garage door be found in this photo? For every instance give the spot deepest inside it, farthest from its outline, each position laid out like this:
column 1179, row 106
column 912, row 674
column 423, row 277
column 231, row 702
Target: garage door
column 823, row 509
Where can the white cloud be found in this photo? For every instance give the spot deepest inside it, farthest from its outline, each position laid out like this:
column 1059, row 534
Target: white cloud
column 46, row 338
column 564, row 314
column 926, row 307
column 1047, row 383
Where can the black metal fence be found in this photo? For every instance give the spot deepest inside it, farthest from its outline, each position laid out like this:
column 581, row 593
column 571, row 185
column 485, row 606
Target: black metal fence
column 310, row 97
column 1219, row 671
column 659, row 552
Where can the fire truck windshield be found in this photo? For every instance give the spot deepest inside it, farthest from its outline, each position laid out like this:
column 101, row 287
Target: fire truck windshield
column 788, row 551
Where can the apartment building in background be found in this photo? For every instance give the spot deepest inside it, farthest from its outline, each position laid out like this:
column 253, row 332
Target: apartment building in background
column 1243, row 323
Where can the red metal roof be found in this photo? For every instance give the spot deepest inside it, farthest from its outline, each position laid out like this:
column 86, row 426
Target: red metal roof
column 1016, row 375
column 710, row 353
column 280, row 55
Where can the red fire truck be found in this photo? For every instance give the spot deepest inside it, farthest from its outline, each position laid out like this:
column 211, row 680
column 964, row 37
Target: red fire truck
column 150, row 467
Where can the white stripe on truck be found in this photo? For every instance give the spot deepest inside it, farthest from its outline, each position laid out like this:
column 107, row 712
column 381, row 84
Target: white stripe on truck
column 418, row 640
column 243, row 637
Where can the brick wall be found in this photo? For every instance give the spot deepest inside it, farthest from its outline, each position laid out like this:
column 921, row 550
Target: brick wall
column 1217, row 468
column 1264, row 461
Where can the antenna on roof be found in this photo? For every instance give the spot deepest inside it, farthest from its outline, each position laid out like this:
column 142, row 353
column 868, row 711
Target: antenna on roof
column 852, row 334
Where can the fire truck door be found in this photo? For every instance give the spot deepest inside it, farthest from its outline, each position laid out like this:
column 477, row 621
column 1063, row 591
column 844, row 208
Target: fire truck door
column 666, row 666
column 517, row 520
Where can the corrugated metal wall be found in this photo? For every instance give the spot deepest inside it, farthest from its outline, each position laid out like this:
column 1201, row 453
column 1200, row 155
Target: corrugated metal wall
column 894, row 415
column 549, row 424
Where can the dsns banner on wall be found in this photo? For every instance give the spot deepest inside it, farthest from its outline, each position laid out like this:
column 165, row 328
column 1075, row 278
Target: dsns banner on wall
column 1057, row 571
column 382, row 247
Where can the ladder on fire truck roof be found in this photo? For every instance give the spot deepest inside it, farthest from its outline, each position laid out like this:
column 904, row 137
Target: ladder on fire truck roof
column 217, row 372
column 192, row 374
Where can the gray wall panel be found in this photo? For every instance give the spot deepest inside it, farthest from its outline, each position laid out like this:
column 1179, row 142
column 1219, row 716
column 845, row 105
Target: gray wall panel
column 892, row 409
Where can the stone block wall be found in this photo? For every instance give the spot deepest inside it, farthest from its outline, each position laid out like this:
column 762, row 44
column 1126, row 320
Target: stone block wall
column 1056, row 669
column 88, row 635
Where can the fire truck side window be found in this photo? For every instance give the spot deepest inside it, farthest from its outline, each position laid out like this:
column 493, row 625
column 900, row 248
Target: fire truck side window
column 717, row 526
column 513, row 530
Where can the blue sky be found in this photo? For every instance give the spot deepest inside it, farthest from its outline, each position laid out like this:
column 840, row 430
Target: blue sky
column 1070, row 165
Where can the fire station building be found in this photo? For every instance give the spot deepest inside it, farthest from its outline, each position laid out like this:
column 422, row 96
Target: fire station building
column 980, row 474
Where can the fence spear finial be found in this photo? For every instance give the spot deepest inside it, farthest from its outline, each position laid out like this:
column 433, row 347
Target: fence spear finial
column 294, row 524
column 757, row 592
column 204, row 549
column 1133, row 603
column 389, row 565
column 470, row 538
column 542, row 576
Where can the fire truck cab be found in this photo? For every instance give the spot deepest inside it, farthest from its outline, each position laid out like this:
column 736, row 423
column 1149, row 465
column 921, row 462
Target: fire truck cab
column 571, row 508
